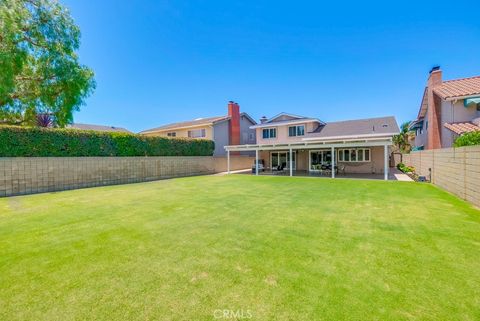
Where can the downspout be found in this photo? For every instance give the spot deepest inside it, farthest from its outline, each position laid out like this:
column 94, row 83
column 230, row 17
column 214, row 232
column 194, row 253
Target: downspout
column 452, row 135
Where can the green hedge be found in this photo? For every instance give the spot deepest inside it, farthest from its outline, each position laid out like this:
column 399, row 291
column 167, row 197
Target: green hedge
column 468, row 139
column 40, row 142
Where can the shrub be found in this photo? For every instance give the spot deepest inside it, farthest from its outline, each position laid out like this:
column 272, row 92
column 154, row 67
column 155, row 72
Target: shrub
column 468, row 139
column 41, row 142
column 406, row 169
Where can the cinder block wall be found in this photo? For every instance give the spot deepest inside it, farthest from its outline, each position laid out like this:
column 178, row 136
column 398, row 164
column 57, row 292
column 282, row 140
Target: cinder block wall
column 456, row 170
column 29, row 175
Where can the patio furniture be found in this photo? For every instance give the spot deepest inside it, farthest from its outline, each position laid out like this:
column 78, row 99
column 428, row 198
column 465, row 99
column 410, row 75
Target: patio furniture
column 327, row 169
column 261, row 166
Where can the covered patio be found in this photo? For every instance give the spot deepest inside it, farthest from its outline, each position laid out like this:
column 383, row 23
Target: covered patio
column 349, row 158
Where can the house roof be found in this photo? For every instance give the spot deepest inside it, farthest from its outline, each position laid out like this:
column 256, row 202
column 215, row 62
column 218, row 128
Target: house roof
column 189, row 123
column 452, row 89
column 287, row 122
column 194, row 123
column 418, row 123
column 458, row 88
column 381, row 126
column 423, row 105
column 293, row 116
column 100, row 128
column 462, row 128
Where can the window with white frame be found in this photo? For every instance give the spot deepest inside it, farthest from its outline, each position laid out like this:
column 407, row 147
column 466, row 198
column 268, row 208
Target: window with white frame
column 319, row 158
column 197, row 133
column 172, row 134
column 269, row 133
column 354, row 155
column 298, row 130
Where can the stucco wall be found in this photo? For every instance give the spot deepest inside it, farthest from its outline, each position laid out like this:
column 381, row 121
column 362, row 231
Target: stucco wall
column 236, row 163
column 22, row 175
column 282, row 134
column 452, row 113
column 421, row 139
column 247, row 135
column 221, row 137
column 456, row 170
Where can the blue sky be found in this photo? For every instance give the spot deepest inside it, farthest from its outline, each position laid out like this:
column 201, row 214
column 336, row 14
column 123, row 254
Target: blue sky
column 158, row 62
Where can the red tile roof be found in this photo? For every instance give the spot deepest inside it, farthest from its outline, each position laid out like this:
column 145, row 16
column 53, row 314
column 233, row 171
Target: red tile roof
column 458, row 88
column 462, row 128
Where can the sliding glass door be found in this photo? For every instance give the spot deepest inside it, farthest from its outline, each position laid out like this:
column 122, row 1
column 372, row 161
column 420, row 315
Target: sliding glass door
column 319, row 158
column 281, row 160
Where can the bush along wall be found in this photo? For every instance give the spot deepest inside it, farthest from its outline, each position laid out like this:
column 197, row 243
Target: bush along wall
column 468, row 139
column 40, row 142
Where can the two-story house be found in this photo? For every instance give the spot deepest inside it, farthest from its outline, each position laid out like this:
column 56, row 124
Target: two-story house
column 293, row 143
column 448, row 109
column 231, row 129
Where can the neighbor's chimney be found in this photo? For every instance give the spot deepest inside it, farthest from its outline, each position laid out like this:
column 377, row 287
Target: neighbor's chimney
column 263, row 120
column 234, row 128
column 434, row 138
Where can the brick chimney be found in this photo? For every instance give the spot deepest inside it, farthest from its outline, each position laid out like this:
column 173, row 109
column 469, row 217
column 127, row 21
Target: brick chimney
column 434, row 131
column 234, row 127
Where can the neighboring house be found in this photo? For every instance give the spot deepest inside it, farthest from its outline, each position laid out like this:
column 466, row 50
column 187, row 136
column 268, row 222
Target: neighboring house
column 448, row 109
column 100, row 128
column 355, row 146
column 232, row 129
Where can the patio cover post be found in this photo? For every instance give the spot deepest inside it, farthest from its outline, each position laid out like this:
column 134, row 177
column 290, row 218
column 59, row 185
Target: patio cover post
column 385, row 164
column 291, row 162
column 256, row 161
column 333, row 162
column 228, row 161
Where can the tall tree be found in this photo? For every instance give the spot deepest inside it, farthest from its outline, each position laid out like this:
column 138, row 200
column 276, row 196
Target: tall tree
column 402, row 139
column 39, row 69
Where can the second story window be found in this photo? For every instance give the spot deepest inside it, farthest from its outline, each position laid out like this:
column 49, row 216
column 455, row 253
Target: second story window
column 172, row 134
column 269, row 133
column 296, row 130
column 197, row 133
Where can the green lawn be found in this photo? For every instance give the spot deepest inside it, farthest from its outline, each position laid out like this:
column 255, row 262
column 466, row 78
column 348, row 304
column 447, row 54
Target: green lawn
column 275, row 248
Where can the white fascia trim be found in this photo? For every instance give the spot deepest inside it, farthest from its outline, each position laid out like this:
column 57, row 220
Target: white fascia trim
column 461, row 97
column 310, row 145
column 349, row 136
column 292, row 122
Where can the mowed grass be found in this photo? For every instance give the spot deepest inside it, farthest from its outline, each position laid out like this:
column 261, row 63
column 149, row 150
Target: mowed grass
column 273, row 248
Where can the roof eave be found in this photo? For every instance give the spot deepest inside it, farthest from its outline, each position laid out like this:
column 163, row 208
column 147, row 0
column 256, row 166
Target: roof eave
column 361, row 136
column 283, row 114
column 453, row 98
column 174, row 128
column 292, row 122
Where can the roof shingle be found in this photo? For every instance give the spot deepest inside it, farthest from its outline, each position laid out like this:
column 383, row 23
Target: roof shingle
column 196, row 122
column 357, row 127
column 100, row 128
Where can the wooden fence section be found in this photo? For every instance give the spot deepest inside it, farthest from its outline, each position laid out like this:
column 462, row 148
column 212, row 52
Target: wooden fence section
column 456, row 170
